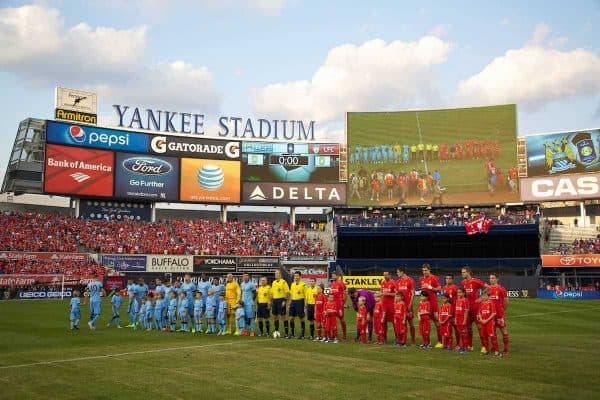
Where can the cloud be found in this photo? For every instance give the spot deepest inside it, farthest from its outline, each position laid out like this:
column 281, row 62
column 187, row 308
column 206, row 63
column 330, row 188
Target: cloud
column 36, row 46
column 374, row 75
column 534, row 75
column 162, row 7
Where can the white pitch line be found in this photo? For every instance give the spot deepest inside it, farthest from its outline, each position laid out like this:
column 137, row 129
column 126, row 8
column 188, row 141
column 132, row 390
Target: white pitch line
column 553, row 312
column 115, row 355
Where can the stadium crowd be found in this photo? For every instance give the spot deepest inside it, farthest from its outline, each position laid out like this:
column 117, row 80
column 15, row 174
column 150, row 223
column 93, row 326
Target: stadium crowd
column 578, row 246
column 60, row 233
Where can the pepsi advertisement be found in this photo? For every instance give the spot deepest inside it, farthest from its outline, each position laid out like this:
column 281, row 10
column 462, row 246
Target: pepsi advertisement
column 145, row 177
column 563, row 153
column 92, row 136
column 568, row 294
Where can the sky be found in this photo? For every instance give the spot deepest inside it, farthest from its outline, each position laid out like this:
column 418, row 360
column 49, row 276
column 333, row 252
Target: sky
column 309, row 60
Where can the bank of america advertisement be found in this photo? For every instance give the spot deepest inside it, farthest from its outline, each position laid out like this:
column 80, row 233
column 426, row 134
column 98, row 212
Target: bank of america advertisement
column 563, row 153
column 146, row 177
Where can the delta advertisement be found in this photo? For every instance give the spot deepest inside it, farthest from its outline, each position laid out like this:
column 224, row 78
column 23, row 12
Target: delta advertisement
column 559, row 294
column 78, row 171
column 145, row 177
column 563, row 153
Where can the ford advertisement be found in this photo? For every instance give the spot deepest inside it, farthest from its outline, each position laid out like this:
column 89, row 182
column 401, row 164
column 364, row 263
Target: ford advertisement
column 146, row 177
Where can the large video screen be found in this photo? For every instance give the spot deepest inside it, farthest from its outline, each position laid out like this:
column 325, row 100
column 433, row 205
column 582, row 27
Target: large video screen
column 433, row 157
column 290, row 162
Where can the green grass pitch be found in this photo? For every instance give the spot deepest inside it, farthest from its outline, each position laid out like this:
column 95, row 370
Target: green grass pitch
column 555, row 353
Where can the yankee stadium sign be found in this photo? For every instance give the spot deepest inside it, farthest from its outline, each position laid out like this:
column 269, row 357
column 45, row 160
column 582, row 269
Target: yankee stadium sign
column 234, row 127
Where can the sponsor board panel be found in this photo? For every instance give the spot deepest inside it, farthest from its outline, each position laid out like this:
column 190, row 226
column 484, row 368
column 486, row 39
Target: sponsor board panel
column 193, row 147
column 568, row 294
column 145, row 177
column 124, row 263
column 290, row 162
column 114, row 210
column 210, row 181
column 363, row 282
column 258, row 265
column 560, row 187
column 159, row 263
column 313, row 194
column 522, row 294
column 214, row 264
column 75, row 116
column 91, row 136
column 563, row 152
column 45, row 294
column 78, row 171
column 571, row 261
column 34, row 256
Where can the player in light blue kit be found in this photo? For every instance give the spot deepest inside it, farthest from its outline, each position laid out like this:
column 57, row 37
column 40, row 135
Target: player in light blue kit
column 248, row 289
column 240, row 319
column 75, row 311
column 142, row 288
column 159, row 311
column 203, row 286
column 142, row 313
column 158, row 287
column 95, row 292
column 149, row 312
column 133, row 310
column 115, row 303
column 405, row 153
column 210, row 310
column 189, row 288
column 183, row 312
column 131, row 291
column 198, row 306
column 222, row 314
column 171, row 311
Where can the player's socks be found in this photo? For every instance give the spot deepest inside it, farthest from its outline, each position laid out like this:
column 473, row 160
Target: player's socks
column 286, row 327
column 505, row 342
column 312, row 329
column 268, row 324
column 72, row 325
column 412, row 334
column 303, row 328
column 292, row 327
column 344, row 329
column 261, row 327
column 276, row 325
column 495, row 343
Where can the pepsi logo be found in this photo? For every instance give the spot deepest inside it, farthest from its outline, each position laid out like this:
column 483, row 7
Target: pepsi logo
column 77, row 133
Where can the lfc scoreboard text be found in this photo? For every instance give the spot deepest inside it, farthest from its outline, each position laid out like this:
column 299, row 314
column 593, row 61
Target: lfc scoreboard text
column 90, row 161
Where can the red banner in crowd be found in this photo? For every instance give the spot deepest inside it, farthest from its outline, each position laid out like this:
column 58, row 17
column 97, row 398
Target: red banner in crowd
column 479, row 225
column 572, row 260
column 33, row 256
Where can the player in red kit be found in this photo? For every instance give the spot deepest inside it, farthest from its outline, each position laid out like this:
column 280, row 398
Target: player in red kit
column 450, row 289
column 361, row 320
column 338, row 289
column 378, row 318
column 430, row 284
column 331, row 315
column 406, row 286
column 472, row 288
column 424, row 315
column 486, row 316
column 400, row 320
column 446, row 313
column 499, row 297
column 461, row 315
column 320, row 300
column 388, row 291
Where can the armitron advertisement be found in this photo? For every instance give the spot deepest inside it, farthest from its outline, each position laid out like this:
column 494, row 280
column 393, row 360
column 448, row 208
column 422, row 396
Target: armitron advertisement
column 210, row 181
column 78, row 171
column 560, row 187
column 563, row 153
column 440, row 157
column 76, row 105
column 146, row 177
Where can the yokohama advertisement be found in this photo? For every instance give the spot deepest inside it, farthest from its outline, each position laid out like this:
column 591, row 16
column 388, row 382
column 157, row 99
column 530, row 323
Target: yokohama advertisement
column 78, row 171
column 560, row 187
column 572, row 261
column 13, row 255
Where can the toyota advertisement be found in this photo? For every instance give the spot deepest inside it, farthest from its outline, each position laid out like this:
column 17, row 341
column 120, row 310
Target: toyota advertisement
column 146, row 177
column 78, row 171
column 91, row 136
column 571, row 261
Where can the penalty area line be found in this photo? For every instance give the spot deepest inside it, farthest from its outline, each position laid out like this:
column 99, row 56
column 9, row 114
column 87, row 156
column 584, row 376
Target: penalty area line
column 129, row 353
column 554, row 312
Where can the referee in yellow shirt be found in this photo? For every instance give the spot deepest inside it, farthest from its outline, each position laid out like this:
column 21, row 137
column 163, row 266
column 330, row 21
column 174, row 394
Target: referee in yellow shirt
column 232, row 296
column 263, row 302
column 280, row 292
column 297, row 305
column 311, row 292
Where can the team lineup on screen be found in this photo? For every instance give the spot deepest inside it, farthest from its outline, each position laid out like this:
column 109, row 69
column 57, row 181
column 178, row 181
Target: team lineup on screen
column 431, row 157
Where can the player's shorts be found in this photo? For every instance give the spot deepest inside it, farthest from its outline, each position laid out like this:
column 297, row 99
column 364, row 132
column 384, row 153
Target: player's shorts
column 310, row 312
column 249, row 310
column 500, row 322
column 340, row 307
column 75, row 315
column 446, row 329
column 278, row 306
column 424, row 326
column 319, row 317
column 95, row 307
column 410, row 315
column 197, row 315
column 263, row 310
column 399, row 327
column 488, row 329
column 297, row 308
column 389, row 312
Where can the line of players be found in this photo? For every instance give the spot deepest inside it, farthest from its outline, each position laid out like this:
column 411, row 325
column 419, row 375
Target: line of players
column 471, row 149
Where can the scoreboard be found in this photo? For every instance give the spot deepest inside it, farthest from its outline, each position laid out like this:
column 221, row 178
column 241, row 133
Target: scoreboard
column 290, row 162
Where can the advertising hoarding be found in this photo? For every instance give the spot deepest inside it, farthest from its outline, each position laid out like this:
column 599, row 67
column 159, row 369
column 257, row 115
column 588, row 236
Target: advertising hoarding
column 92, row 136
column 560, row 187
column 568, row 294
column 313, row 194
column 182, row 146
column 571, row 261
column 114, row 210
column 221, row 264
column 168, row 263
column 209, row 181
column 78, row 171
column 124, row 263
column 397, row 157
column 145, row 177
